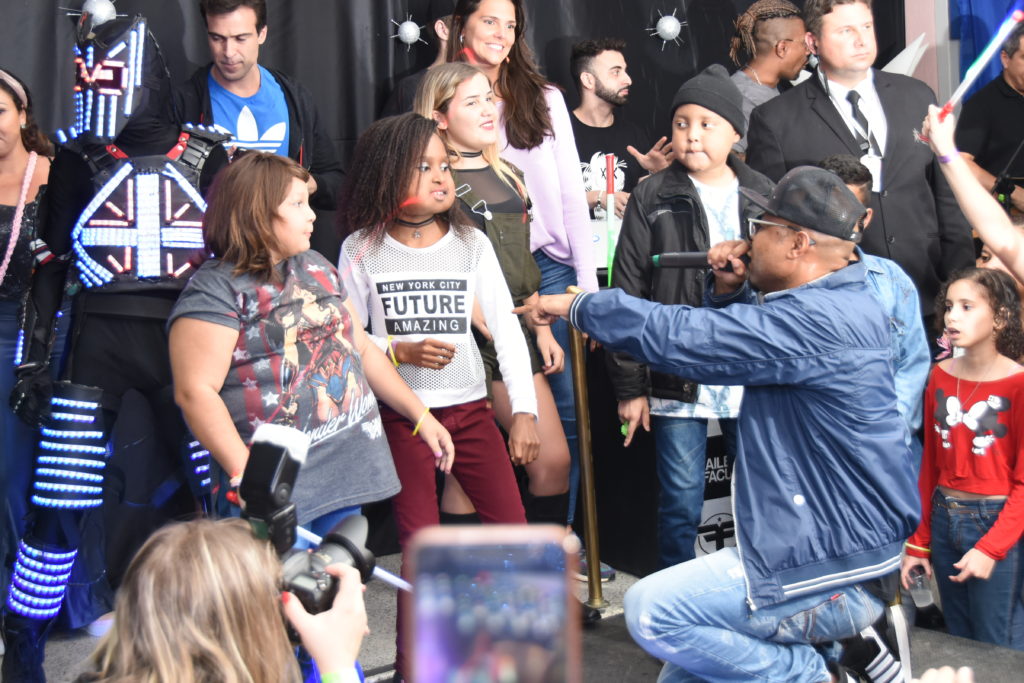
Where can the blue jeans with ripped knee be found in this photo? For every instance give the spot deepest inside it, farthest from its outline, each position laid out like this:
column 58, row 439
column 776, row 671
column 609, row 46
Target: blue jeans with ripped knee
column 695, row 617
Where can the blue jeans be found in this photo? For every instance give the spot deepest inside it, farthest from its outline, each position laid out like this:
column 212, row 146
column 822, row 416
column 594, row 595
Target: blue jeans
column 695, row 617
column 681, row 450
column 989, row 611
column 554, row 278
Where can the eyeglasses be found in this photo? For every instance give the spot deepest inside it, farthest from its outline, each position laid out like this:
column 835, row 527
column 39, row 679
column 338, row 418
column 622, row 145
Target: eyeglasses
column 755, row 225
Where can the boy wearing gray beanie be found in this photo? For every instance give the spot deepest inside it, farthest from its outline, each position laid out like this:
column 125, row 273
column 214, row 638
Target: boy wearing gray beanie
column 689, row 206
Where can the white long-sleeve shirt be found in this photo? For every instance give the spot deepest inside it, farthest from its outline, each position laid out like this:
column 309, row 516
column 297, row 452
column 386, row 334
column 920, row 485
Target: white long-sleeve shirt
column 410, row 294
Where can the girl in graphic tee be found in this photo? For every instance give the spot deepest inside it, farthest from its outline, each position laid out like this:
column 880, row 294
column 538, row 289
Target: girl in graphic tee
column 417, row 271
column 972, row 473
column 265, row 332
column 493, row 195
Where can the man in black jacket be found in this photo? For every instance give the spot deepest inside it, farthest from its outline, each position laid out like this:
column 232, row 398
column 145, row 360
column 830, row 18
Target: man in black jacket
column 689, row 206
column 849, row 108
column 264, row 109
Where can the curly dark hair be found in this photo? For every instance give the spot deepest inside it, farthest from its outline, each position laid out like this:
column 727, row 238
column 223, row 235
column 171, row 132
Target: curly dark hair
column 382, row 168
column 1001, row 293
column 520, row 83
column 32, row 136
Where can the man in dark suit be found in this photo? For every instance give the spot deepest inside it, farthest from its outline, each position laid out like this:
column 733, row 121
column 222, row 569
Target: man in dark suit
column 849, row 108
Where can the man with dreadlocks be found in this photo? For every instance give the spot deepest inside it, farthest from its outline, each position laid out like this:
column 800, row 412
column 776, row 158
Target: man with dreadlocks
column 768, row 46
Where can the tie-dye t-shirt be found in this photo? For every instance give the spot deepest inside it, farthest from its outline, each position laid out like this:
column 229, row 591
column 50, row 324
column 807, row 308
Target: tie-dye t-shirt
column 295, row 364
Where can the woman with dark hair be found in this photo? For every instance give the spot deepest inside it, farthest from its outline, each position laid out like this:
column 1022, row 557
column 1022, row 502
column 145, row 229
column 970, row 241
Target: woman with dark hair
column 417, row 270
column 265, row 332
column 538, row 139
column 24, row 166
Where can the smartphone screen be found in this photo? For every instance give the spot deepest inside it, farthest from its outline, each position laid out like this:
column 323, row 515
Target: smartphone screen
column 496, row 610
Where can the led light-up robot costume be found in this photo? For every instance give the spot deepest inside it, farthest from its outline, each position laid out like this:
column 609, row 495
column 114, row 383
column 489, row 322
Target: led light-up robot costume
column 124, row 217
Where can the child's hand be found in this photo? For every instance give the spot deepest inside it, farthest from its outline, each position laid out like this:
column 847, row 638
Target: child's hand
column 333, row 637
column 552, row 356
column 908, row 563
column 523, row 440
column 974, row 564
column 633, row 413
column 429, row 353
column 439, row 440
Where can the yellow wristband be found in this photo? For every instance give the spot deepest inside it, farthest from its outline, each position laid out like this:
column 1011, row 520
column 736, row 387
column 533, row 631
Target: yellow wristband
column 917, row 548
column 391, row 351
column 419, row 422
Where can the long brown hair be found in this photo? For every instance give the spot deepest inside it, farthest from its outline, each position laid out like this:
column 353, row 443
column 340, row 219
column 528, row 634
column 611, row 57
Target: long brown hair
column 1001, row 292
column 199, row 603
column 520, row 84
column 435, row 94
column 381, row 171
column 31, row 135
column 239, row 223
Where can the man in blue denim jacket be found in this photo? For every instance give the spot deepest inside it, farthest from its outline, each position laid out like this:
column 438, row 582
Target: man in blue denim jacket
column 823, row 489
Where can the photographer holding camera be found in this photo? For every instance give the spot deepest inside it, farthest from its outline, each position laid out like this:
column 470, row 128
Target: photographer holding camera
column 201, row 602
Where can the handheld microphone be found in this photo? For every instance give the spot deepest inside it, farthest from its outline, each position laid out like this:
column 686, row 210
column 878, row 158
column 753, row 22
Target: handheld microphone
column 689, row 259
column 276, row 454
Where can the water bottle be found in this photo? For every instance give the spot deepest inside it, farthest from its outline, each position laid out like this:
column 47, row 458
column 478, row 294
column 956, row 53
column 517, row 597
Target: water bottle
column 920, row 587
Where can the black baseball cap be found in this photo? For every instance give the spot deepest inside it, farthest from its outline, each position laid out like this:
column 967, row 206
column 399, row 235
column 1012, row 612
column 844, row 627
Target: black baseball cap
column 815, row 199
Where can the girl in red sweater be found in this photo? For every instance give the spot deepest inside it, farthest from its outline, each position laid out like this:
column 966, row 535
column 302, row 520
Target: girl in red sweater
column 972, row 472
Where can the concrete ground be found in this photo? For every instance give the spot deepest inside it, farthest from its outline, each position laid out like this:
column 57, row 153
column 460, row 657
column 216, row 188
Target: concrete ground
column 609, row 655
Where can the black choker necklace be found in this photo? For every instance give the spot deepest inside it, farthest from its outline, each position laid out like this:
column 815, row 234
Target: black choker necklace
column 409, row 224
column 466, row 155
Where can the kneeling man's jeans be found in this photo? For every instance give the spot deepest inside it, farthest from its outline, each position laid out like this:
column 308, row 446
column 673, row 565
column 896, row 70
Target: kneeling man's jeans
column 695, row 617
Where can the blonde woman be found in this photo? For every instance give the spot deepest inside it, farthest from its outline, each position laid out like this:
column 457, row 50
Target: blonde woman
column 493, row 194
column 201, row 602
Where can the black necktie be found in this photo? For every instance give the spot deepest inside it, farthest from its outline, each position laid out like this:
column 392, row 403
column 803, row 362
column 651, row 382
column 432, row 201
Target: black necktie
column 853, row 97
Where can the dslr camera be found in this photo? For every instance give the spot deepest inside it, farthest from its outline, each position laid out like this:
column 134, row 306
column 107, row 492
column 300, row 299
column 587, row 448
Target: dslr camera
column 275, row 457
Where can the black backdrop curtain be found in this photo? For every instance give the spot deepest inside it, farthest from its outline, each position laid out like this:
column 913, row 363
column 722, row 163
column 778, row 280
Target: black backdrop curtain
column 342, row 50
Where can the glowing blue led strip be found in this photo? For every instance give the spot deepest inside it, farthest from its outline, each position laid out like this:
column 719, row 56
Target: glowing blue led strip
column 138, row 60
column 116, row 50
column 72, row 448
column 69, row 474
column 19, row 347
column 73, row 417
column 132, row 69
column 26, row 585
column 69, row 434
column 112, row 118
column 93, row 273
column 87, row 120
column 53, row 569
column 72, row 462
column 71, row 403
column 147, row 218
column 40, row 578
column 47, row 555
column 185, row 186
column 188, row 236
column 60, row 503
column 68, row 488
column 101, row 103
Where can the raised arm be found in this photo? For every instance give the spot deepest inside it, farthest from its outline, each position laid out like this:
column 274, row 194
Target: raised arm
column 981, row 209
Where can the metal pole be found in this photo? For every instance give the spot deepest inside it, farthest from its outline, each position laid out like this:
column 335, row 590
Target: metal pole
column 579, row 387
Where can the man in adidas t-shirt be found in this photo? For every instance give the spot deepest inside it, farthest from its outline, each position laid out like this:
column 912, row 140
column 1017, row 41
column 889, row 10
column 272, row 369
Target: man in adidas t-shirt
column 264, row 109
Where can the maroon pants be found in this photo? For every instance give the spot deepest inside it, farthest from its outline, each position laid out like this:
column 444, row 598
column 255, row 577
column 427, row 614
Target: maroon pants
column 482, row 468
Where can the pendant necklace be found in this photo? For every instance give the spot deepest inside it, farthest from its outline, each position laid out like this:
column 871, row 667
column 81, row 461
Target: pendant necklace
column 409, row 224
column 963, row 404
column 754, row 74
